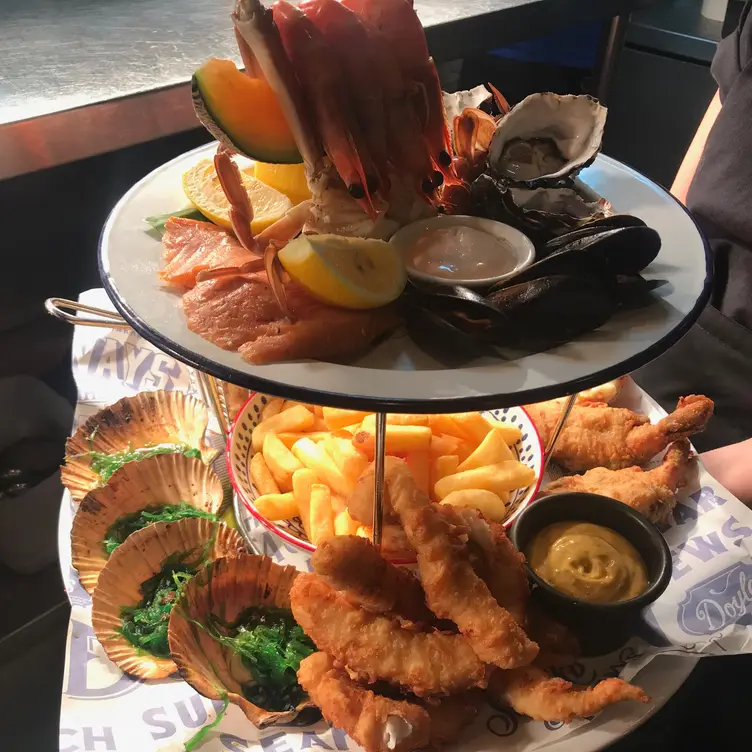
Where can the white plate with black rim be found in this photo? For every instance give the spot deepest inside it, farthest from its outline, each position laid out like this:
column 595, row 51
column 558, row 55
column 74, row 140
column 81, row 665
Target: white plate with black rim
column 396, row 375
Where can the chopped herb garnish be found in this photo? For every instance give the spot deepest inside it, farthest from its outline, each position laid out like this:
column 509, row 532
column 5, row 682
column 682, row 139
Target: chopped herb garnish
column 271, row 646
column 145, row 625
column 157, row 222
column 129, row 523
column 105, row 465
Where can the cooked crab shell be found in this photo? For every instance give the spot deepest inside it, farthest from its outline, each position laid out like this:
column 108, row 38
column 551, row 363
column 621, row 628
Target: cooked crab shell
column 226, row 589
column 547, row 138
column 141, row 557
column 153, row 482
column 146, row 420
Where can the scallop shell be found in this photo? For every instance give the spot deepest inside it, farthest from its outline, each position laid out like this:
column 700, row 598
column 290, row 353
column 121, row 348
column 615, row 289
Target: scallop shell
column 574, row 123
column 163, row 479
column 139, row 558
column 147, row 419
column 227, row 588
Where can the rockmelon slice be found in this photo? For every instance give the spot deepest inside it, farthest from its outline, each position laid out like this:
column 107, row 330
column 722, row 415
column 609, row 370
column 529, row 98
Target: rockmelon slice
column 242, row 113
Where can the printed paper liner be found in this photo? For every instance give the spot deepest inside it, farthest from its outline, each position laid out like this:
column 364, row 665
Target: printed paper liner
column 147, row 419
column 135, row 561
column 163, row 479
column 227, row 588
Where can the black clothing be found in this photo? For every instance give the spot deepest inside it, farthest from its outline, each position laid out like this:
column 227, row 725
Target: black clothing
column 715, row 357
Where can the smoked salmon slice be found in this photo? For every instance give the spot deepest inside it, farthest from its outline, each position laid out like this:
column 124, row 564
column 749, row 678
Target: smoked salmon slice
column 190, row 247
column 241, row 314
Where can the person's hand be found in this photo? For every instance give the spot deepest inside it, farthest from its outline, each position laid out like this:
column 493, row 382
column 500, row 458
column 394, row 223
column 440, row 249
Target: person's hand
column 731, row 466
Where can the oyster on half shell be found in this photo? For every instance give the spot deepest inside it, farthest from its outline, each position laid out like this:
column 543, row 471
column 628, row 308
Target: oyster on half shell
column 547, row 138
column 220, row 594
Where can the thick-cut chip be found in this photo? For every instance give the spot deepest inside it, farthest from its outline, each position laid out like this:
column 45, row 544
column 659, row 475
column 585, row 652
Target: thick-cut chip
column 444, row 445
column 473, row 425
column 445, row 424
column 506, row 476
column 302, row 482
column 318, row 411
column 344, row 524
column 280, row 461
column 512, row 434
column 297, row 418
column 335, row 418
column 277, row 506
column 261, row 475
column 314, row 456
column 288, row 439
column 443, row 466
column 394, row 419
column 322, row 519
column 489, row 504
column 420, row 466
column 347, row 458
column 289, row 404
column 272, row 407
column 399, row 439
column 492, row 450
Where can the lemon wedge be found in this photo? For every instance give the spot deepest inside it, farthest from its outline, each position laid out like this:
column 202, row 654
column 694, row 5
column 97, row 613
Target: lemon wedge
column 201, row 186
column 346, row 272
column 289, row 179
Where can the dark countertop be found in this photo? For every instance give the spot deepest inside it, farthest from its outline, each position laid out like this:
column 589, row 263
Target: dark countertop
column 82, row 77
column 676, row 28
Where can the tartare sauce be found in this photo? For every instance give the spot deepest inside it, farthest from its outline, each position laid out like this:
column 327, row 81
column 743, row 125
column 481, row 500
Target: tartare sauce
column 588, row 561
column 460, row 252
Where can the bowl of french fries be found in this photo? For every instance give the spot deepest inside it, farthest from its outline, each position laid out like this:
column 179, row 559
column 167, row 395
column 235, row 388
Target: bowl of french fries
column 297, row 467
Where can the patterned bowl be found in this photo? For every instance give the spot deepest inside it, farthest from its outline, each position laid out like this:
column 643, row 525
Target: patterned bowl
column 528, row 450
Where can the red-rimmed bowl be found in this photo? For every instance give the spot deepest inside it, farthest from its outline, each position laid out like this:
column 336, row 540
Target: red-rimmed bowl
column 239, row 451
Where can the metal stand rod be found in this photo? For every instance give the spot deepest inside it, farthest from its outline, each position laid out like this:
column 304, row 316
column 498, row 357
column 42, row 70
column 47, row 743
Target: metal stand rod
column 378, row 478
column 211, row 395
column 568, row 405
column 612, row 45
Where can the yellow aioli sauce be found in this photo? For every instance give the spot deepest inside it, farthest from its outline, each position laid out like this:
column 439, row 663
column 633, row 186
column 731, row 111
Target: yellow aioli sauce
column 460, row 252
column 588, row 561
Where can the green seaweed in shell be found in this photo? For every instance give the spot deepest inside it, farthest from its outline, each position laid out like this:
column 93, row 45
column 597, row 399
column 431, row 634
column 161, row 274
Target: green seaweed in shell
column 145, row 625
column 129, row 523
column 105, row 465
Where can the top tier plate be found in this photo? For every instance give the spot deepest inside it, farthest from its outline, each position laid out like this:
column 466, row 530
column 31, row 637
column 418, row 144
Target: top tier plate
column 397, row 376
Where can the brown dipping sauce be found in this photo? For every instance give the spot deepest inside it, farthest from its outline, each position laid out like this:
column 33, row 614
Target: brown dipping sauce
column 588, row 561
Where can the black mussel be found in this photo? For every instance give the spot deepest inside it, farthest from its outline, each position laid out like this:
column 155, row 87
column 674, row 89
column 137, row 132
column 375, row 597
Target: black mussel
column 634, row 291
column 451, row 299
column 440, row 337
column 552, row 310
column 612, row 222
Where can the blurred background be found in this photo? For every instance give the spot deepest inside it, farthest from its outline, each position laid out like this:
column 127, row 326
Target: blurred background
column 52, row 217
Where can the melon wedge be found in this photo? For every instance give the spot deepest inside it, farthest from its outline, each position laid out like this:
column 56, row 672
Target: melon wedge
column 242, row 113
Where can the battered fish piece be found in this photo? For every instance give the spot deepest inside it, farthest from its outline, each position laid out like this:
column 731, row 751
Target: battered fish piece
column 533, row 692
column 596, row 435
column 377, row 723
column 360, row 501
column 374, row 647
column 650, row 492
column 450, row 715
column 453, row 589
column 240, row 313
column 352, row 565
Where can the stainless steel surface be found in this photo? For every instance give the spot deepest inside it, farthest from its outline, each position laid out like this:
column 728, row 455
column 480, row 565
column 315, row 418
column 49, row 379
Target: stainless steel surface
column 568, row 405
column 378, row 478
column 614, row 41
column 82, row 77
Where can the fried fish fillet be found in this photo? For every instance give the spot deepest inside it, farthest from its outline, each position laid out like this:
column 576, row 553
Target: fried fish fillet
column 453, row 589
column 374, row 646
column 596, row 435
column 533, row 692
column 352, row 565
column 377, row 723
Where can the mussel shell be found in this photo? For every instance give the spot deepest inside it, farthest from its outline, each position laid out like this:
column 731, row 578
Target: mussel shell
column 552, row 310
column 451, row 299
column 611, row 222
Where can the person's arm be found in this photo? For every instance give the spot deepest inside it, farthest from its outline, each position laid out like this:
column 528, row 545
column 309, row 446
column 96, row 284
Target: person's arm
column 731, row 466
column 691, row 159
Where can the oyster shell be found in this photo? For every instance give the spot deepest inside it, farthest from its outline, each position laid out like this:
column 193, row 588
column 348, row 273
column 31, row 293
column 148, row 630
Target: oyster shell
column 541, row 213
column 227, row 588
column 547, row 138
column 133, row 563
column 147, row 419
column 156, row 481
